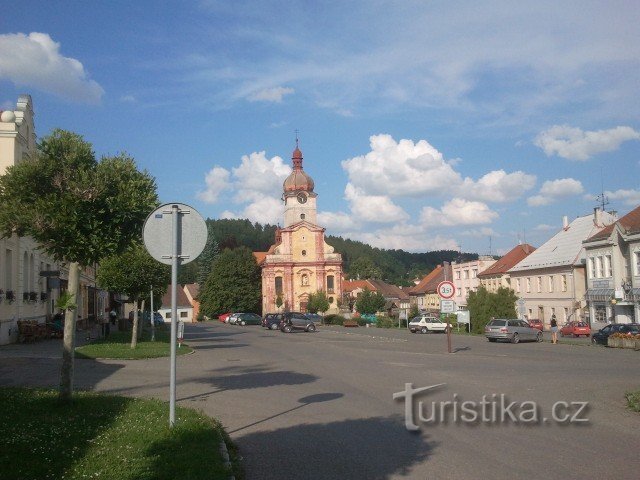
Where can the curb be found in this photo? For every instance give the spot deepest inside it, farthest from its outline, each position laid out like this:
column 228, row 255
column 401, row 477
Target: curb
column 225, row 457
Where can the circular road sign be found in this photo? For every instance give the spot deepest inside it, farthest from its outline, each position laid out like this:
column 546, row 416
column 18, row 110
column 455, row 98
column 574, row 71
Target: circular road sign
column 446, row 289
column 158, row 233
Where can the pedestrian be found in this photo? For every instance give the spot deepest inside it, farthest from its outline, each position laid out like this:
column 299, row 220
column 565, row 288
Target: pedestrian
column 112, row 316
column 554, row 329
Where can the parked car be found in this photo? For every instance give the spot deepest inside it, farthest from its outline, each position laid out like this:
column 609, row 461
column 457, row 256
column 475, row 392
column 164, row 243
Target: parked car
column 224, row 317
column 427, row 324
column 272, row 321
column 296, row 321
column 315, row 318
column 231, row 319
column 535, row 323
column 601, row 336
column 511, row 329
column 248, row 319
column 576, row 329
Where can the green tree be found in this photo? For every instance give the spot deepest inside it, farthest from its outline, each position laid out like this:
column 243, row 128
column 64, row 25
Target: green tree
column 134, row 272
column 364, row 267
column 318, row 302
column 207, row 256
column 78, row 209
column 234, row 284
column 483, row 305
column 369, row 302
column 414, row 311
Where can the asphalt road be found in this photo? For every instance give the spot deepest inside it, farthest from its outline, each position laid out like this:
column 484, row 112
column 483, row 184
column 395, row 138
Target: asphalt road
column 320, row 406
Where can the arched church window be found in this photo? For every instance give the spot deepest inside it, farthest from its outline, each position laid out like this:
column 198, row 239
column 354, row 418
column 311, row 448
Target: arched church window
column 302, row 216
column 330, row 286
column 278, row 285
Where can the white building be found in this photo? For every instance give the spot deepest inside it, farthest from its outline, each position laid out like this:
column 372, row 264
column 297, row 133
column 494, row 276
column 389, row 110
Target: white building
column 551, row 280
column 465, row 278
column 613, row 272
column 30, row 280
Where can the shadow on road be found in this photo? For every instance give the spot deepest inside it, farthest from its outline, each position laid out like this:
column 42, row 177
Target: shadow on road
column 371, row 448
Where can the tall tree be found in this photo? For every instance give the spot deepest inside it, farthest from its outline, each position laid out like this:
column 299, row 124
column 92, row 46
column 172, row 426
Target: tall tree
column 208, row 255
column 364, row 268
column 483, row 305
column 318, row 302
column 78, row 209
column 234, row 284
column 369, row 302
column 134, row 272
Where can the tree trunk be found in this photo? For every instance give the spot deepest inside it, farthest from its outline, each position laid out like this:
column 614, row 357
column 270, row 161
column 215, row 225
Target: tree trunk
column 141, row 323
column 69, row 341
column 134, row 327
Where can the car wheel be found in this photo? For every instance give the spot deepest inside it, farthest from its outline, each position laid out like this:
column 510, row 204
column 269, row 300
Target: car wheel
column 243, row 323
column 594, row 341
column 515, row 338
column 287, row 329
column 423, row 330
column 311, row 328
column 539, row 337
column 412, row 331
column 274, row 326
column 492, row 339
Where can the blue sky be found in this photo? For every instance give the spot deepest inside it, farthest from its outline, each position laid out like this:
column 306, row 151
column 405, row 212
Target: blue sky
column 424, row 124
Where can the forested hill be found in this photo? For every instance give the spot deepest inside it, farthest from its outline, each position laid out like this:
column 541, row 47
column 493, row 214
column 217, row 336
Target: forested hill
column 394, row 266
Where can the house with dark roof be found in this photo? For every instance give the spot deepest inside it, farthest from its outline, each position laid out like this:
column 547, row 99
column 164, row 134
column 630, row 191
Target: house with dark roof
column 497, row 275
column 192, row 290
column 551, row 280
column 613, row 272
column 425, row 294
column 397, row 299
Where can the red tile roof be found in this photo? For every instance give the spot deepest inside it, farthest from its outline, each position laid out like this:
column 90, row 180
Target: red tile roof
column 388, row 290
column 351, row 285
column 182, row 300
column 260, row 256
column 428, row 283
column 193, row 289
column 629, row 224
column 510, row 260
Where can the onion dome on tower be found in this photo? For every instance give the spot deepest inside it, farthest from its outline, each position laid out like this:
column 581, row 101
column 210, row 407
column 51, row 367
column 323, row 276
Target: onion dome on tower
column 298, row 180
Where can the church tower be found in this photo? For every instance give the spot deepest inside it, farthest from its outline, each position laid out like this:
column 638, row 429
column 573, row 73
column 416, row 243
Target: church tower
column 299, row 197
column 300, row 263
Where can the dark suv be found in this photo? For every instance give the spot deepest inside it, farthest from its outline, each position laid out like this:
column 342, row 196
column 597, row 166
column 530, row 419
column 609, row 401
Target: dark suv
column 296, row 321
column 272, row 321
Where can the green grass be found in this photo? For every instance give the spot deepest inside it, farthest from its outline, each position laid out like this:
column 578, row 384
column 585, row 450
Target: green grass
column 633, row 400
column 118, row 346
column 104, row 437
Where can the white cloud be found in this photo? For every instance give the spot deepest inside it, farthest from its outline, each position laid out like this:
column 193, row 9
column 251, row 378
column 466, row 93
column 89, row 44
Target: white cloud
column 458, row 212
column 481, row 232
column 336, row 221
column 264, row 210
column 274, row 95
column 553, row 190
column 257, row 176
column 393, row 239
column 575, row 144
column 373, row 208
column 217, row 181
column 627, row 197
column 498, row 186
column 400, row 168
column 34, row 60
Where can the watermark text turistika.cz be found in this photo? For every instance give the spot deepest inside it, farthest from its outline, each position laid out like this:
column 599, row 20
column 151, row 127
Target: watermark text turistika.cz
column 490, row 409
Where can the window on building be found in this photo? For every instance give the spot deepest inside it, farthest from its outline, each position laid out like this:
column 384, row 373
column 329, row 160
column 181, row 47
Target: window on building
column 539, row 283
column 302, row 216
column 517, row 285
column 25, row 272
column 607, row 266
column 528, row 285
column 167, row 315
column 566, row 314
column 637, row 262
column 184, row 314
column 330, row 287
column 466, row 274
column 475, row 273
column 598, row 267
column 459, row 292
column 457, row 274
column 278, row 285
column 592, row 267
column 304, row 253
column 564, row 283
column 551, row 283
column 601, row 313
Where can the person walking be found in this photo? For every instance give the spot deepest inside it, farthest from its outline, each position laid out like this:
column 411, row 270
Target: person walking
column 113, row 316
column 554, row 329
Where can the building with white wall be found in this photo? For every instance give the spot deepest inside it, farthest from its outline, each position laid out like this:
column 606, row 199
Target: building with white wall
column 465, row 278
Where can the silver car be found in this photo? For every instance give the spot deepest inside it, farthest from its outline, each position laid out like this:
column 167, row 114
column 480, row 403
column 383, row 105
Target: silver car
column 511, row 329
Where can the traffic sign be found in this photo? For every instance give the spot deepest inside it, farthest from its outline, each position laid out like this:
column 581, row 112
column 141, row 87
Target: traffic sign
column 447, row 306
column 446, row 290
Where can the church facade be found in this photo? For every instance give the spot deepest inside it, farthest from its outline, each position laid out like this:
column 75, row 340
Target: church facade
column 300, row 262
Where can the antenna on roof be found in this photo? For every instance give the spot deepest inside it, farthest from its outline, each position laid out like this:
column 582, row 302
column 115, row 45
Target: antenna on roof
column 489, row 245
column 602, row 199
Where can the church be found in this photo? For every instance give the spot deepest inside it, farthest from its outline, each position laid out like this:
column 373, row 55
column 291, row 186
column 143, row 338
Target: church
column 300, row 262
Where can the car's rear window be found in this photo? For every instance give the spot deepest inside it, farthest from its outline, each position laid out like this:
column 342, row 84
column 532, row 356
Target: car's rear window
column 581, row 324
column 498, row 323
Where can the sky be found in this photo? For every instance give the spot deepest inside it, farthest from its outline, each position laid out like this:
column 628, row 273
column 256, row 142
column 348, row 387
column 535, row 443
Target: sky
column 425, row 125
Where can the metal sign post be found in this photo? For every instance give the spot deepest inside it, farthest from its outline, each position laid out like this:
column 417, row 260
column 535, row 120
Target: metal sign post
column 446, row 290
column 180, row 230
column 153, row 323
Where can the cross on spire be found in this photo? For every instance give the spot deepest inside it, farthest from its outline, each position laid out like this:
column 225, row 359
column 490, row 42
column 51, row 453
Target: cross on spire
column 296, row 138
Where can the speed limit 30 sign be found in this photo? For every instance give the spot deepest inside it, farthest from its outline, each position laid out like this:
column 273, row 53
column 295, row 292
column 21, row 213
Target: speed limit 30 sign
column 446, row 290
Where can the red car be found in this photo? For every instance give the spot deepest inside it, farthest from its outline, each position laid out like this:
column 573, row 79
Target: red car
column 223, row 317
column 576, row 329
column 535, row 323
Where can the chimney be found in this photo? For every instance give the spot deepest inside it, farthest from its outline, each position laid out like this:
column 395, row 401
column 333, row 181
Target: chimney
column 596, row 216
column 565, row 222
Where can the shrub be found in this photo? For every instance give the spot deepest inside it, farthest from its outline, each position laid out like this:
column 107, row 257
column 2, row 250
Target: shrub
column 384, row 322
column 334, row 319
column 362, row 322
